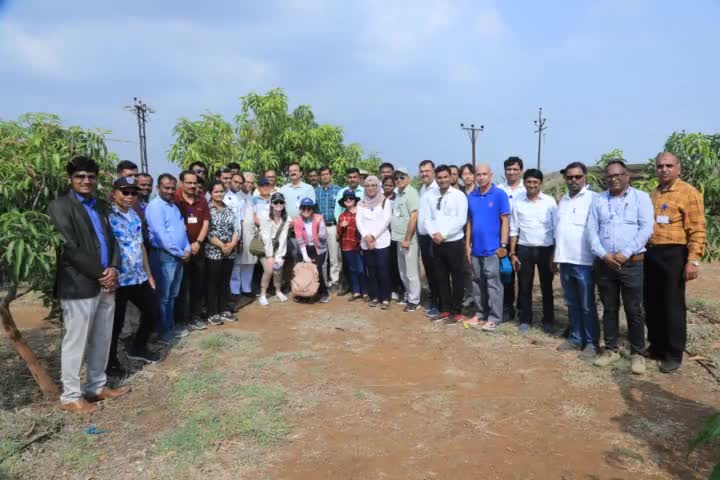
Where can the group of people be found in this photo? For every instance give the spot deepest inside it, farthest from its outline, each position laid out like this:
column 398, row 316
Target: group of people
column 202, row 248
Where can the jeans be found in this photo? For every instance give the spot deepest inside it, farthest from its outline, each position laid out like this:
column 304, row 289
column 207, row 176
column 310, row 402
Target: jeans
column 143, row 297
column 168, row 272
column 509, row 300
column 531, row 257
column 426, row 255
column 579, row 289
column 376, row 261
column 218, row 285
column 628, row 282
column 356, row 270
column 664, row 296
column 190, row 301
column 489, row 288
column 449, row 260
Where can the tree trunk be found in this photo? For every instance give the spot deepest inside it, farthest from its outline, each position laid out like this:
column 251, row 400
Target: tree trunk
column 47, row 385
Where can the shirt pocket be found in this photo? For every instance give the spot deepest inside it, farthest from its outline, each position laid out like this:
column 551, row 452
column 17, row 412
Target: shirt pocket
column 579, row 216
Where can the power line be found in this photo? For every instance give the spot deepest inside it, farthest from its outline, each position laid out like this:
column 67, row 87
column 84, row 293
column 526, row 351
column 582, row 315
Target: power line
column 140, row 109
column 540, row 125
column 473, row 134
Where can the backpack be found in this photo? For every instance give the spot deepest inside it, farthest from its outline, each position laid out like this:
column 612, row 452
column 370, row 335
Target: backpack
column 306, row 280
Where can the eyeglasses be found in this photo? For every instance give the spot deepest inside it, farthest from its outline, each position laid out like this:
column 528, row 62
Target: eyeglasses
column 83, row 176
column 278, row 202
column 126, row 193
column 574, row 177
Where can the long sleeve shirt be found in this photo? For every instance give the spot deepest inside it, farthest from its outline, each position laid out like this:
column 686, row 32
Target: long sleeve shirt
column 680, row 218
column 167, row 227
column 533, row 221
column 620, row 224
column 359, row 191
column 445, row 214
column 89, row 204
column 424, row 209
column 375, row 222
column 571, row 243
column 326, row 201
column 268, row 232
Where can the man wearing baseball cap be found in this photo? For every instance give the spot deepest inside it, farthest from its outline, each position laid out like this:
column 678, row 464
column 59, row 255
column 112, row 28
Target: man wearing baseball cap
column 403, row 226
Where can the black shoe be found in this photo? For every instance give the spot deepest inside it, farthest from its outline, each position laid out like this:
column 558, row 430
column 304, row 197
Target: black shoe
column 549, row 328
column 145, row 355
column 116, row 370
column 411, row 307
column 653, row 354
column 508, row 316
column 343, row 292
column 669, row 365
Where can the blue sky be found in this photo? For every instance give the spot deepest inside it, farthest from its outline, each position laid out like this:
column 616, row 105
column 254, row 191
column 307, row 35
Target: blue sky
column 398, row 76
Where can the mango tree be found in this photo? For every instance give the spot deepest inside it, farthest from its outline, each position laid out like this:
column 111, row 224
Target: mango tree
column 33, row 153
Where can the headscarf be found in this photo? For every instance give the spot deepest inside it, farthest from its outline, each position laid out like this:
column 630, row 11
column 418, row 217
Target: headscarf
column 372, row 202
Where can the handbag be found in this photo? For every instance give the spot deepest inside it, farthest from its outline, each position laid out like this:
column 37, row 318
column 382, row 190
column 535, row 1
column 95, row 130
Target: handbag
column 257, row 246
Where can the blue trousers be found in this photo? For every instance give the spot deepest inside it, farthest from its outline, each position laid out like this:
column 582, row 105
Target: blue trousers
column 356, row 266
column 377, row 262
column 168, row 272
column 579, row 289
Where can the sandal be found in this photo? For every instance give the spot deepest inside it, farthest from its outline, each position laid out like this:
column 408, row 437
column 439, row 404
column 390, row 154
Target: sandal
column 489, row 327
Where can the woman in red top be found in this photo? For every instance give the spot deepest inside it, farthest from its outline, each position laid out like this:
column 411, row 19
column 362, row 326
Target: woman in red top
column 349, row 240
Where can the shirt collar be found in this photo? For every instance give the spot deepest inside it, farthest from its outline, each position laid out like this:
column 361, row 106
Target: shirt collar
column 579, row 194
column 90, row 200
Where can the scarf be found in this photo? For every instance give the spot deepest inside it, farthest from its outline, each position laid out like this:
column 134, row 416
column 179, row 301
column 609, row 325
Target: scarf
column 368, row 201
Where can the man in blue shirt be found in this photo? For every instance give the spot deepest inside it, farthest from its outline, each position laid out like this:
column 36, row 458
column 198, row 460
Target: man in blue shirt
column 88, row 263
column 325, row 194
column 619, row 226
column 137, row 284
column 486, row 236
column 170, row 248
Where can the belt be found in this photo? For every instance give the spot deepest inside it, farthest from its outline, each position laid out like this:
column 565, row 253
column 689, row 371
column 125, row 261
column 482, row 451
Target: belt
column 637, row 258
column 331, row 223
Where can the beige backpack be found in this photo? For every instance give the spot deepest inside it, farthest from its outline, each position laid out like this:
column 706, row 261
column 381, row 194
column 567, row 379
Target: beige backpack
column 306, row 280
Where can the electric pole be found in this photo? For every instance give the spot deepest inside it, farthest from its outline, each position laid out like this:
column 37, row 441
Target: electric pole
column 473, row 134
column 540, row 125
column 141, row 110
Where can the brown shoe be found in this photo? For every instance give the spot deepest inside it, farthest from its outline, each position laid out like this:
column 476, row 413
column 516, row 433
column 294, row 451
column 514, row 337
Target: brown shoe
column 108, row 393
column 79, row 406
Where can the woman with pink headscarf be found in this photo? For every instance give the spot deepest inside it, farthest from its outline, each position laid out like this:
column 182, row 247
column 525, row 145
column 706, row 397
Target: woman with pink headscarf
column 373, row 223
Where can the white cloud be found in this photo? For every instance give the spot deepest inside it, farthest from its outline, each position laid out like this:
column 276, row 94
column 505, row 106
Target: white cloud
column 41, row 54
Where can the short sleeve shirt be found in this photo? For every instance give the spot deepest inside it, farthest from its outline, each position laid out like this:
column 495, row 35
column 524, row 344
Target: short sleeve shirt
column 407, row 201
column 485, row 210
column 194, row 215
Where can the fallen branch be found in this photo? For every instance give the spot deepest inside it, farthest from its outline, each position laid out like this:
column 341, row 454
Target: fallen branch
column 709, row 366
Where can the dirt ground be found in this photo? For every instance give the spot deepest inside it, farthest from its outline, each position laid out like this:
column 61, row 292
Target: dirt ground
column 344, row 391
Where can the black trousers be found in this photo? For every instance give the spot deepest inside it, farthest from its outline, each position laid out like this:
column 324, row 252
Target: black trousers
column 396, row 284
column 218, row 285
column 191, row 300
column 449, row 262
column 628, row 284
column 664, row 300
column 509, row 297
column 318, row 260
column 530, row 258
column 143, row 297
column 426, row 255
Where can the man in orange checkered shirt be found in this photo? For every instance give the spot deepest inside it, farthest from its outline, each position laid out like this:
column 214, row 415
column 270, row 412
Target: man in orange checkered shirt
column 672, row 259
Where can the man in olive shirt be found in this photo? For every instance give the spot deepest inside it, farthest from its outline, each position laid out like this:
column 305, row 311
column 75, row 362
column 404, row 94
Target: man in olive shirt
column 403, row 224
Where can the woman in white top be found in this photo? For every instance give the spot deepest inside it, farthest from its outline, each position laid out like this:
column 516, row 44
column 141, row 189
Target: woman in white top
column 373, row 223
column 274, row 226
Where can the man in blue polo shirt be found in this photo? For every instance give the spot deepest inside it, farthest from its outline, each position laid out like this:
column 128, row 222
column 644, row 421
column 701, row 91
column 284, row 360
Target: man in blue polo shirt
column 486, row 237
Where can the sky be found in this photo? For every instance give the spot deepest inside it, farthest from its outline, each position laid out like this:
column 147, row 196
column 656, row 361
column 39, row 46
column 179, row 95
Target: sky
column 399, row 76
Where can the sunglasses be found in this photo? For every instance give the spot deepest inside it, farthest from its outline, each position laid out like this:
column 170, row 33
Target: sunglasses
column 574, row 177
column 82, row 176
column 199, row 171
column 126, row 193
column 278, row 202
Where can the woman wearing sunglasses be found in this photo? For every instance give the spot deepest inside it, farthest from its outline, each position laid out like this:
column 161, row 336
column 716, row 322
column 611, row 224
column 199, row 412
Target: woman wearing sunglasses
column 311, row 236
column 373, row 222
column 274, row 231
column 222, row 238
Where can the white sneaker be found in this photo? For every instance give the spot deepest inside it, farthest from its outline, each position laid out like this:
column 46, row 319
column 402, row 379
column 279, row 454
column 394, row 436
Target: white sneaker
column 281, row 296
column 263, row 300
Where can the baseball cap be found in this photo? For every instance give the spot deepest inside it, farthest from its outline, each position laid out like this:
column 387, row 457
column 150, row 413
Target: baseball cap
column 263, row 182
column 123, row 183
column 277, row 196
column 307, row 202
column 402, row 171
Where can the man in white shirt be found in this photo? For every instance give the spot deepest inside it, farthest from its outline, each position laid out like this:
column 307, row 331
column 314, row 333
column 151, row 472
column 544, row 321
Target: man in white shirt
column 427, row 176
column 574, row 258
column 444, row 221
column 532, row 224
column 514, row 188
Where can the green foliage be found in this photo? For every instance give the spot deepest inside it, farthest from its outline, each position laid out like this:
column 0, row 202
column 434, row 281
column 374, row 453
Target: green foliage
column 33, row 153
column 267, row 135
column 709, row 435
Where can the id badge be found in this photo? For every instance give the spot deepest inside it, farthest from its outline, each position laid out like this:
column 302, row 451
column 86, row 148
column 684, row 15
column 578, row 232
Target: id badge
column 663, row 219
column 192, row 219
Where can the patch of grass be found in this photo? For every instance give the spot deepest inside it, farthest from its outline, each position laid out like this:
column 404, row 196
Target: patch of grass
column 575, row 410
column 708, row 308
column 18, row 428
column 224, row 341
column 360, row 395
column 260, row 419
column 281, row 357
column 78, row 450
column 195, row 384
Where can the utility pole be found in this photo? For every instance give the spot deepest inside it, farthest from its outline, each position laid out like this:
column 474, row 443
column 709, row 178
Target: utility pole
column 473, row 134
column 141, row 110
column 540, row 125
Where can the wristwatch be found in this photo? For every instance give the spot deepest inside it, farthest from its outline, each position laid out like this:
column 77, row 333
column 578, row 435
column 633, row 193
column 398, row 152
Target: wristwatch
column 503, row 246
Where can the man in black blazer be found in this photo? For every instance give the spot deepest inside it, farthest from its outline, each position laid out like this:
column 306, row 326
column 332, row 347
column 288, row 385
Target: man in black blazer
column 87, row 268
